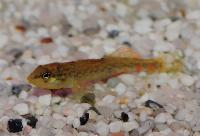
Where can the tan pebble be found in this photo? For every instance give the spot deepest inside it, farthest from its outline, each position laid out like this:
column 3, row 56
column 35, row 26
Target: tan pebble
column 20, row 28
column 143, row 109
column 122, row 101
column 118, row 134
column 27, row 130
column 8, row 78
column 46, row 40
column 176, row 126
column 67, row 112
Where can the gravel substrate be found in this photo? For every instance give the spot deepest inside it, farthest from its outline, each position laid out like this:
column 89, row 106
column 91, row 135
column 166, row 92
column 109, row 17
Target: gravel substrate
column 35, row 32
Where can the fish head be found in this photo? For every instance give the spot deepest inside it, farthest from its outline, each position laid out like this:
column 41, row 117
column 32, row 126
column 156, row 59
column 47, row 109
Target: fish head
column 46, row 76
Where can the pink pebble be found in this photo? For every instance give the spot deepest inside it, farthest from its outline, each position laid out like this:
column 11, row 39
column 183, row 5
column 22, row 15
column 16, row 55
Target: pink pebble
column 27, row 129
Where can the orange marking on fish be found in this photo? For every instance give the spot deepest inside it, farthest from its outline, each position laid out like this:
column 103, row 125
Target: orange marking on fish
column 138, row 68
column 150, row 68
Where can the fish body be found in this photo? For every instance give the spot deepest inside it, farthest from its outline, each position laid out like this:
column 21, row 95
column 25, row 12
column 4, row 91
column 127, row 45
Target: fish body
column 76, row 74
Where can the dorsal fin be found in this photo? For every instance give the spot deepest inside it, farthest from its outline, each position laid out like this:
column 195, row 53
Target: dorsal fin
column 124, row 52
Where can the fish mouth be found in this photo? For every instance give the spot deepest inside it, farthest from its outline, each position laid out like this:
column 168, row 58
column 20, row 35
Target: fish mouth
column 29, row 78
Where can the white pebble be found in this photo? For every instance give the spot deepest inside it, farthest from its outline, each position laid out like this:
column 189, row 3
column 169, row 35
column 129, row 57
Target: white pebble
column 76, row 123
column 79, row 111
column 45, row 100
column 70, row 119
column 198, row 64
column 187, row 80
column 83, row 134
column 180, row 115
column 43, row 60
column 163, row 46
column 161, row 24
column 109, row 46
column 194, row 43
column 42, row 32
column 143, row 116
column 173, row 83
column 166, row 132
column 102, row 128
column 117, row 113
column 127, row 79
column 193, row 15
column 3, row 40
column 108, row 99
column 75, row 22
column 3, row 63
column 155, row 134
column 131, row 116
column 146, row 126
column 196, row 134
column 173, row 31
column 143, row 26
column 186, row 132
column 111, row 27
column 115, row 126
column 63, row 51
column 128, row 126
column 55, row 99
column 170, row 108
column 58, row 123
column 92, row 114
column 121, row 9
column 142, row 99
column 23, row 95
column 21, row 108
column 162, row 117
column 4, row 122
column 133, row 2
column 120, row 88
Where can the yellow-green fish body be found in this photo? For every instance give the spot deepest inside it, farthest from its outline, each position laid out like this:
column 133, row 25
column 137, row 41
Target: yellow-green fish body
column 77, row 73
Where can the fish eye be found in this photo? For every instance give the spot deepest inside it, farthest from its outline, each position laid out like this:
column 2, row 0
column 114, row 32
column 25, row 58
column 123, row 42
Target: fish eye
column 46, row 75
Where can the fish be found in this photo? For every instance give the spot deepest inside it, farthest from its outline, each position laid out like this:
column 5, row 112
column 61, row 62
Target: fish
column 79, row 74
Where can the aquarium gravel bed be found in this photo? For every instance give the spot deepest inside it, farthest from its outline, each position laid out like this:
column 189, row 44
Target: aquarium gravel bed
column 36, row 32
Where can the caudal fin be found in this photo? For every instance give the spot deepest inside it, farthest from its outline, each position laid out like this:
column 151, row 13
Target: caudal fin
column 170, row 63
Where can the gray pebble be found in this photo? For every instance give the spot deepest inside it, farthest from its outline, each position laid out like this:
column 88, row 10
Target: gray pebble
column 146, row 126
column 134, row 132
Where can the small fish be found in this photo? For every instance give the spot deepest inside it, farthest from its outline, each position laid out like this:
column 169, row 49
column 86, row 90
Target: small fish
column 78, row 74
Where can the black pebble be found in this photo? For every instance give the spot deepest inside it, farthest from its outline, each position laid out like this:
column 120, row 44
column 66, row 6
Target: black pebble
column 16, row 89
column 32, row 120
column 158, row 86
column 153, row 105
column 113, row 33
column 153, row 18
column 84, row 119
column 124, row 117
column 15, row 125
column 70, row 35
column 174, row 18
column 127, row 43
column 134, row 132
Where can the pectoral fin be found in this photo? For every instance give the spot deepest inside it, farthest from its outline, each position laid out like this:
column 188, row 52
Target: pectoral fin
column 83, row 92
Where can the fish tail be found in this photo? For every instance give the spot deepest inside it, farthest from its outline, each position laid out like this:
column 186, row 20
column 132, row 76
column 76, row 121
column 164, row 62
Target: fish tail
column 158, row 65
column 154, row 65
column 172, row 66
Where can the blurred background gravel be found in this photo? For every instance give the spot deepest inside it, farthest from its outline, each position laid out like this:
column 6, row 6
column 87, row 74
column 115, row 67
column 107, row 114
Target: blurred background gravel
column 38, row 32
